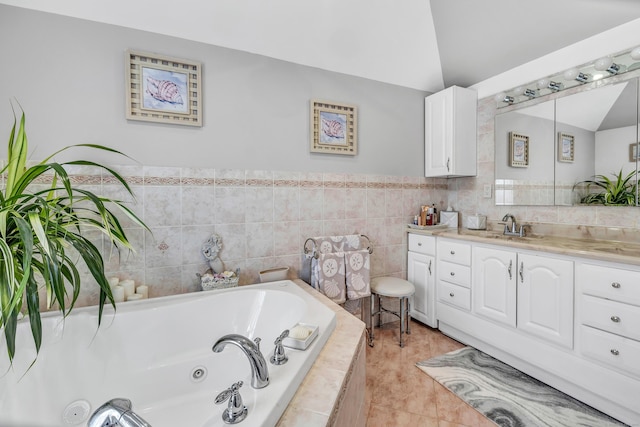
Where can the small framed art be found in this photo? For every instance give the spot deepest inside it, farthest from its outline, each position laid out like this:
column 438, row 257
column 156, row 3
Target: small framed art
column 334, row 128
column 163, row 89
column 633, row 152
column 566, row 147
column 519, row 150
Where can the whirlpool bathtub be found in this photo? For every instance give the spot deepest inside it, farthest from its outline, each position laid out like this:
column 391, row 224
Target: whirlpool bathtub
column 158, row 353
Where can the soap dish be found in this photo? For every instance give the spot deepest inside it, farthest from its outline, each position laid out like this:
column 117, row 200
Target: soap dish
column 301, row 344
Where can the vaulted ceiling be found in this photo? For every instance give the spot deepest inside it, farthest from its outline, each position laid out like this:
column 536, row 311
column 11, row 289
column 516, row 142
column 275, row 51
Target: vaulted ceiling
column 421, row 44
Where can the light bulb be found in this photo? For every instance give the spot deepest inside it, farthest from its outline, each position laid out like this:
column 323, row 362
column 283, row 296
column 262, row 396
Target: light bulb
column 518, row 91
column 542, row 83
column 570, row 74
column 603, row 63
column 635, row 53
column 500, row 97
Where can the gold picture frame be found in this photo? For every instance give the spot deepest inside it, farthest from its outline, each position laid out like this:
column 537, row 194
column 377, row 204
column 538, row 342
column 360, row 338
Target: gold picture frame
column 566, row 147
column 633, row 152
column 163, row 89
column 334, row 128
column 518, row 150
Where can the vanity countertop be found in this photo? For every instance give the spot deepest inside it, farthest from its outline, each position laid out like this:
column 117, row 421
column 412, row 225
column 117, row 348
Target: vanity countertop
column 599, row 249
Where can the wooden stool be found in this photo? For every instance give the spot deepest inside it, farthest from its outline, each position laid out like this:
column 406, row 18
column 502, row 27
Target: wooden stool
column 391, row 287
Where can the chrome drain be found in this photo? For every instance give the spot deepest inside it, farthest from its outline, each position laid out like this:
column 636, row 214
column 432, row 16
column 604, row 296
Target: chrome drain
column 76, row 412
column 198, row 374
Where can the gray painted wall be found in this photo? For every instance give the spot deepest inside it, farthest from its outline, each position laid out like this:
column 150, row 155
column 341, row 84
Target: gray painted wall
column 68, row 75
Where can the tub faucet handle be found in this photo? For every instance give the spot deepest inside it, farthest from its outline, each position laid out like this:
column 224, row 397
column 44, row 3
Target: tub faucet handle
column 257, row 343
column 236, row 411
column 279, row 358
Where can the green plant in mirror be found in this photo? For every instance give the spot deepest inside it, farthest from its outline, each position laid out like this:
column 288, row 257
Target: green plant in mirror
column 621, row 190
column 43, row 236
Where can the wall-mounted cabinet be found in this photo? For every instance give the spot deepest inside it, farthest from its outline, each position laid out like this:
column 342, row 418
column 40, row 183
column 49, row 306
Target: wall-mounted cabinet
column 450, row 133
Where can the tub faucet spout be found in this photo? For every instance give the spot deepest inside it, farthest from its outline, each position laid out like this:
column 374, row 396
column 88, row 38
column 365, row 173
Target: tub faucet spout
column 259, row 369
column 116, row 412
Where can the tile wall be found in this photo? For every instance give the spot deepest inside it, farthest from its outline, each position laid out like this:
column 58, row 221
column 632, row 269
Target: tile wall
column 263, row 217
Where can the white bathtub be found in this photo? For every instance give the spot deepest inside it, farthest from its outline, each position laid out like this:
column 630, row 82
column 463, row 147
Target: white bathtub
column 148, row 351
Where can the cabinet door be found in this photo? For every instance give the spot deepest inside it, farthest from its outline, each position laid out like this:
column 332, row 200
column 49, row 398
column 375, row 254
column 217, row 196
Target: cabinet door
column 437, row 125
column 545, row 298
column 420, row 272
column 494, row 284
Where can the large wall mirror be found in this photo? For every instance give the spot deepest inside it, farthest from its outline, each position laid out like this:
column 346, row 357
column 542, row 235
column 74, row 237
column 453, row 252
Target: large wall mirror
column 544, row 150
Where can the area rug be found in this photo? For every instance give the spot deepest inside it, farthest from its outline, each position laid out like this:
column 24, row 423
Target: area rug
column 507, row 396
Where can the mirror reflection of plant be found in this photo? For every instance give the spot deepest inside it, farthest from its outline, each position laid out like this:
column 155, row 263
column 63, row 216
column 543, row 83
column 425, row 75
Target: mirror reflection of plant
column 41, row 236
column 621, row 190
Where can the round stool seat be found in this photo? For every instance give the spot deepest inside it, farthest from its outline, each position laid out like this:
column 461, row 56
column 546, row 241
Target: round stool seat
column 392, row 287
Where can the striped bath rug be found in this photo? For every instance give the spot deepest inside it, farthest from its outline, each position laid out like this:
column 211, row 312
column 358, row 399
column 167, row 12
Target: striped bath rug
column 507, row 396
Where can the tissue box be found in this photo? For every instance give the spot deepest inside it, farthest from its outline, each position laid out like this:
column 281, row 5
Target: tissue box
column 449, row 218
column 477, row 222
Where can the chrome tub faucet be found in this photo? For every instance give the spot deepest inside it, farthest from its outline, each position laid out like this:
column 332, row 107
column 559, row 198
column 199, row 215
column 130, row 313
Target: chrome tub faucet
column 251, row 349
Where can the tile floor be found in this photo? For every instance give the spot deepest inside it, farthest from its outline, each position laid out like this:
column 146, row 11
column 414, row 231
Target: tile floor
column 399, row 394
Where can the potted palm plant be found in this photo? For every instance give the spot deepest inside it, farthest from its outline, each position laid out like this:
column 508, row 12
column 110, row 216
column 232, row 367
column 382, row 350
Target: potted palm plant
column 621, row 190
column 42, row 236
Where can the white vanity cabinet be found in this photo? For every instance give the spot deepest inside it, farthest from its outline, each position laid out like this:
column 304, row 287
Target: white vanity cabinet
column 450, row 133
column 528, row 291
column 421, row 266
column 454, row 274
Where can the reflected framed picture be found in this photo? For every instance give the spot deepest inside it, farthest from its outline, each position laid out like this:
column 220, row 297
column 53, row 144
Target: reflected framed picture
column 518, row 150
column 565, row 147
column 163, row 89
column 334, row 128
column 633, row 152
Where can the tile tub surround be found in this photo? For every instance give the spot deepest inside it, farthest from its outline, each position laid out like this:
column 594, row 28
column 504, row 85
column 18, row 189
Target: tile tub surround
column 263, row 217
column 333, row 392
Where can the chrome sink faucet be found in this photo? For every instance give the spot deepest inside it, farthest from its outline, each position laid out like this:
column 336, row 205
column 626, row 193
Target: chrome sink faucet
column 116, row 412
column 251, row 349
column 514, row 230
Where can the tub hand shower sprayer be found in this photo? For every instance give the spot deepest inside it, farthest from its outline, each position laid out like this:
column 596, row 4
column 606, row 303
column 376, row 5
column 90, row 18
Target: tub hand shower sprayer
column 116, row 412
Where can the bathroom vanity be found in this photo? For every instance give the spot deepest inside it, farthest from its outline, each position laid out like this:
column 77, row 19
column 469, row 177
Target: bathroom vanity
column 563, row 310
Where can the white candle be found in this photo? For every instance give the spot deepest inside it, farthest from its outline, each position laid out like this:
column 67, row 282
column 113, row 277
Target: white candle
column 118, row 293
column 129, row 287
column 113, row 281
column 134, row 297
column 143, row 290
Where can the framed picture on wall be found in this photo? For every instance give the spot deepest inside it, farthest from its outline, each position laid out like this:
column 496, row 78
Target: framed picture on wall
column 163, row 89
column 519, row 150
column 633, row 152
column 334, row 128
column 565, row 147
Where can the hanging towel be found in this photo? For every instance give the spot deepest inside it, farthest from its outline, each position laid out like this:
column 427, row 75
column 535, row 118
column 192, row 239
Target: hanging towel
column 357, row 274
column 326, row 244
column 331, row 276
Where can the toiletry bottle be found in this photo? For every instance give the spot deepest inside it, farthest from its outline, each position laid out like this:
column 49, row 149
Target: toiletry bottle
column 415, row 220
column 434, row 219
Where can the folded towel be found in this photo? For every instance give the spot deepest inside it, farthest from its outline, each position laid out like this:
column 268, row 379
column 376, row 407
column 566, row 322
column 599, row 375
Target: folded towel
column 357, row 274
column 351, row 242
column 331, row 276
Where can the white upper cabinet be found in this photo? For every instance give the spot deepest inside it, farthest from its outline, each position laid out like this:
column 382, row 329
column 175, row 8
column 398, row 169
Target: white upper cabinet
column 450, row 133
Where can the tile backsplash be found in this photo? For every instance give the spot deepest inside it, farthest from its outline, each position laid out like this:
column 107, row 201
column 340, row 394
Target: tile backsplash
column 263, row 217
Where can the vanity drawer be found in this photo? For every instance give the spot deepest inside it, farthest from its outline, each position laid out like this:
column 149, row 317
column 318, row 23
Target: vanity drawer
column 454, row 295
column 459, row 253
column 422, row 244
column 454, row 273
column 609, row 282
column 611, row 316
column 618, row 352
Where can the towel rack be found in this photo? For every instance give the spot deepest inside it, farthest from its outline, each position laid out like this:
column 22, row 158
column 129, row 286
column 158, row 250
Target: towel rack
column 313, row 252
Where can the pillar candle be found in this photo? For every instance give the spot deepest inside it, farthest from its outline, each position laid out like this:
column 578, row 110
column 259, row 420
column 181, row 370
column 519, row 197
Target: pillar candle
column 113, row 281
column 143, row 290
column 118, row 293
column 129, row 287
column 134, row 297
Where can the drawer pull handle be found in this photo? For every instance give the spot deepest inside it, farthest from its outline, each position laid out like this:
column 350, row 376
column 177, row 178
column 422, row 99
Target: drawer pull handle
column 452, row 273
column 521, row 272
column 429, row 267
column 615, row 285
column 451, row 294
column 419, row 244
column 615, row 352
column 510, row 265
column 453, row 252
column 615, row 319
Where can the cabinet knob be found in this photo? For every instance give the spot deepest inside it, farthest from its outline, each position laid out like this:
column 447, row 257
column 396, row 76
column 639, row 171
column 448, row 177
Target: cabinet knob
column 615, row 285
column 419, row 244
column 451, row 294
column 615, row 352
column 615, row 319
column 452, row 273
column 453, row 252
